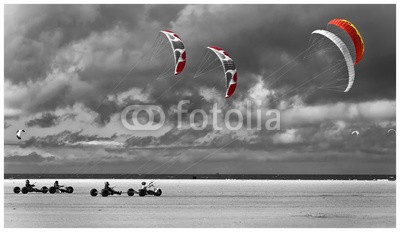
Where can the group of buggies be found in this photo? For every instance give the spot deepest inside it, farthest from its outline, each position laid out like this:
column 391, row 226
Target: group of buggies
column 143, row 191
column 106, row 191
column 56, row 188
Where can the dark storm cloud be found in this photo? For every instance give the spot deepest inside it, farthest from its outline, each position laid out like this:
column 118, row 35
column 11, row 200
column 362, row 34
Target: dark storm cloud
column 316, row 139
column 165, row 14
column 105, row 110
column 48, row 120
column 32, row 46
column 31, row 158
column 39, row 50
column 65, row 138
column 174, row 138
column 47, row 28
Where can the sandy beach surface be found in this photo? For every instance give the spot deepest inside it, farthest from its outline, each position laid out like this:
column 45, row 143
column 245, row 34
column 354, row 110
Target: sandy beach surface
column 207, row 203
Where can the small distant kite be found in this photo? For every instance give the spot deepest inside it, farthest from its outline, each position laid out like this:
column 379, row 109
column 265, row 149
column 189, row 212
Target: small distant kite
column 19, row 134
column 391, row 130
column 355, row 132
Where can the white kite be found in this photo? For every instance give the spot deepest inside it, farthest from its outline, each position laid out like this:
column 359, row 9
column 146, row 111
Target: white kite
column 19, row 134
column 391, row 130
column 345, row 52
column 355, row 132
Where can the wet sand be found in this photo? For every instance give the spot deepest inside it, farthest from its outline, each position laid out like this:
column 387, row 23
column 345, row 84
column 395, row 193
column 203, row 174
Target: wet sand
column 207, row 203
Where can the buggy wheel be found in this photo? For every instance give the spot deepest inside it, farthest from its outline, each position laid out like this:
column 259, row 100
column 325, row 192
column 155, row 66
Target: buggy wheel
column 93, row 192
column 104, row 193
column 17, row 189
column 24, row 190
column 70, row 189
column 52, row 190
column 44, row 189
column 130, row 192
column 158, row 193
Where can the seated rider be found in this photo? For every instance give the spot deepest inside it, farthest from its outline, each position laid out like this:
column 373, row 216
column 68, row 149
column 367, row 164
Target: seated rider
column 144, row 186
column 30, row 186
column 58, row 187
column 108, row 188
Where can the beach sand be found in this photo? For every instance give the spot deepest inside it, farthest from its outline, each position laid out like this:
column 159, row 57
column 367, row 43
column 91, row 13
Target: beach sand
column 207, row 203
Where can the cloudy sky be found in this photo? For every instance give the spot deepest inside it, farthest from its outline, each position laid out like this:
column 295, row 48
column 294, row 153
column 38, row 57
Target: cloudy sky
column 71, row 69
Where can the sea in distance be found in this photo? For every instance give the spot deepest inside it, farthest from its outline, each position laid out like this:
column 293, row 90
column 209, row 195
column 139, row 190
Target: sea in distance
column 199, row 176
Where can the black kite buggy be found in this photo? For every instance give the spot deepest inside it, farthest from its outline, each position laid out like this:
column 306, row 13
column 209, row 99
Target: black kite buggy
column 56, row 188
column 107, row 191
column 26, row 190
column 68, row 189
column 144, row 191
column 110, row 191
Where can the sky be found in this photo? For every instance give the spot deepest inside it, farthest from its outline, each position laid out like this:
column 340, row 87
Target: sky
column 70, row 70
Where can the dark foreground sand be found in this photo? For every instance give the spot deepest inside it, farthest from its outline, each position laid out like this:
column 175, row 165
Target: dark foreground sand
column 207, row 203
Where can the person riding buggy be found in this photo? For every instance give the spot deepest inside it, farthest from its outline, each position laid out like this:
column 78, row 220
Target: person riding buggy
column 107, row 190
column 144, row 186
column 58, row 187
column 30, row 187
column 111, row 189
column 145, row 191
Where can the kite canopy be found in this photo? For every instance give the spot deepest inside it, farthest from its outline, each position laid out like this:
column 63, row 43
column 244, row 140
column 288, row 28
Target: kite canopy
column 355, row 35
column 229, row 69
column 345, row 51
column 19, row 133
column 391, row 130
column 355, row 132
column 178, row 50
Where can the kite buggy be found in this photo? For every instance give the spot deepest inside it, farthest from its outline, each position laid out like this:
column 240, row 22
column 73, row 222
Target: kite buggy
column 107, row 190
column 143, row 191
column 28, row 188
column 56, row 188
